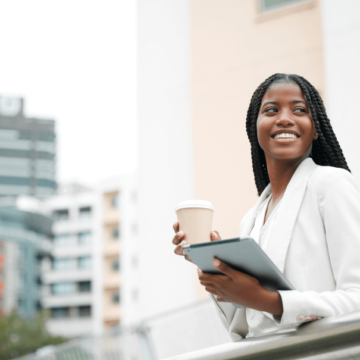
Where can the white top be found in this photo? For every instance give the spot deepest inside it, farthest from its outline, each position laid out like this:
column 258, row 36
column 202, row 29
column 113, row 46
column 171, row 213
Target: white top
column 261, row 234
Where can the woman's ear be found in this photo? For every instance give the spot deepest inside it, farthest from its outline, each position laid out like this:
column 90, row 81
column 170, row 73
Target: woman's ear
column 316, row 135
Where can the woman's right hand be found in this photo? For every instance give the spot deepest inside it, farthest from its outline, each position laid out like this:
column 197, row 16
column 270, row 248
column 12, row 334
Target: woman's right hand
column 180, row 240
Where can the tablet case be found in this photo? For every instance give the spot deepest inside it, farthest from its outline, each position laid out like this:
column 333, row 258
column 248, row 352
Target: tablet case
column 242, row 254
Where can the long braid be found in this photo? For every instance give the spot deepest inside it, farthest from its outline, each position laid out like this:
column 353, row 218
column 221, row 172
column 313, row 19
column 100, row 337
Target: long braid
column 326, row 149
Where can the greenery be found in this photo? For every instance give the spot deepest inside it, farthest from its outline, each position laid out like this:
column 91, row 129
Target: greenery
column 20, row 336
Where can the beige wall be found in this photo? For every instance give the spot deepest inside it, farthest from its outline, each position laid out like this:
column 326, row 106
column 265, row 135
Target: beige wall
column 234, row 48
column 111, row 252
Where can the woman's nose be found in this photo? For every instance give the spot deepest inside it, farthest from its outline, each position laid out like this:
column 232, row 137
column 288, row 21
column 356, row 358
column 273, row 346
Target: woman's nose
column 284, row 119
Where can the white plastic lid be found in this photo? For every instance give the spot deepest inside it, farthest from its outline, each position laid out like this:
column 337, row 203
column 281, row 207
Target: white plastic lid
column 203, row 204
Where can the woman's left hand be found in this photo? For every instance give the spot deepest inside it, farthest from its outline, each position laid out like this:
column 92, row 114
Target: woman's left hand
column 239, row 288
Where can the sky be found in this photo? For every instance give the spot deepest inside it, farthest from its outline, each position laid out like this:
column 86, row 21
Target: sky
column 67, row 60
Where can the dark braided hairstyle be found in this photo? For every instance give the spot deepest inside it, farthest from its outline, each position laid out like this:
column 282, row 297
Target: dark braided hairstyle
column 326, row 149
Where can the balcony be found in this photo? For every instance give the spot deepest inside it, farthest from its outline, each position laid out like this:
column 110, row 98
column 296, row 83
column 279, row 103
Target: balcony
column 74, row 299
column 54, row 276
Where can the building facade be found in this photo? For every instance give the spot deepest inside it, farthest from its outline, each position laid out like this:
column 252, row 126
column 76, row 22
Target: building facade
column 69, row 289
column 82, row 280
column 199, row 63
column 25, row 245
column 27, row 152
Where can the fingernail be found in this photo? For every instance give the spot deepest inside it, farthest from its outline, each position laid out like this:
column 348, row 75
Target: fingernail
column 180, row 233
column 216, row 262
column 214, row 233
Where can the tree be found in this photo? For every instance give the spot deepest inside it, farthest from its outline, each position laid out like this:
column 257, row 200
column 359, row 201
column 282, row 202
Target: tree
column 20, row 336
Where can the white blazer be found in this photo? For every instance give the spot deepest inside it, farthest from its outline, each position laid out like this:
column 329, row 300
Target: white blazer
column 315, row 242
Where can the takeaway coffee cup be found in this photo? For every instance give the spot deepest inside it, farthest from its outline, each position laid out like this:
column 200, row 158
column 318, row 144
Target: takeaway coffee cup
column 195, row 219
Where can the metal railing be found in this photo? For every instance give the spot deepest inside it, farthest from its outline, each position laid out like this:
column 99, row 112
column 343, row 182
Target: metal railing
column 197, row 327
column 336, row 337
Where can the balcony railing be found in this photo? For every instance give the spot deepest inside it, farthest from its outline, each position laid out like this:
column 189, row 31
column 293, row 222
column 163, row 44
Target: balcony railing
column 336, row 337
column 331, row 338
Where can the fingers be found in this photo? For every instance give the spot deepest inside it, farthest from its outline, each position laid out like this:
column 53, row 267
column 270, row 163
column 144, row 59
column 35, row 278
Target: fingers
column 211, row 279
column 178, row 250
column 220, row 299
column 211, row 291
column 179, row 236
column 176, row 226
column 223, row 268
column 187, row 258
column 214, row 236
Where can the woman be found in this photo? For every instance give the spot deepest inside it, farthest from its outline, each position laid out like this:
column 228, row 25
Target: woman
column 307, row 218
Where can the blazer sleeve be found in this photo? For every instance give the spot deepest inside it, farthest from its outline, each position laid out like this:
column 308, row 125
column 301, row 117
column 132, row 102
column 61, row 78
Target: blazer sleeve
column 339, row 201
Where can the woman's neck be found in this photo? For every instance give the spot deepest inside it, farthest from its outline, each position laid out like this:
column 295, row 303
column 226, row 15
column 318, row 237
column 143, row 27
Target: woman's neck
column 280, row 174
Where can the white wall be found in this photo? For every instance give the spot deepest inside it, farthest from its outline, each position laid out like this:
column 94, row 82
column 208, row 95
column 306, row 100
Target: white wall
column 165, row 169
column 341, row 31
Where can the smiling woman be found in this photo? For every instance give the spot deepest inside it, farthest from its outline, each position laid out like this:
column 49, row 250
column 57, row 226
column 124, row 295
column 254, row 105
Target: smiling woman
column 306, row 219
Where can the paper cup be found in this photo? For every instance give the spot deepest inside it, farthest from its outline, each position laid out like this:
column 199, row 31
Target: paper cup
column 195, row 219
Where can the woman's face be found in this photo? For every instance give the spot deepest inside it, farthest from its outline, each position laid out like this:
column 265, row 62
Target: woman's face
column 285, row 129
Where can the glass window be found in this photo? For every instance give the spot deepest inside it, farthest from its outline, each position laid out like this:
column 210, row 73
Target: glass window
column 62, row 264
column 115, row 265
column 62, row 240
column 115, row 233
column 85, row 262
column 115, row 201
column 85, row 311
column 60, row 312
column 84, row 286
column 85, row 238
column 115, row 297
column 61, row 215
column 61, row 288
column 268, row 5
column 85, row 212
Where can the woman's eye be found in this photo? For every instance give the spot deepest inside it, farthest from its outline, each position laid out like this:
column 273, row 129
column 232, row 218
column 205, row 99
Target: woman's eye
column 300, row 110
column 273, row 109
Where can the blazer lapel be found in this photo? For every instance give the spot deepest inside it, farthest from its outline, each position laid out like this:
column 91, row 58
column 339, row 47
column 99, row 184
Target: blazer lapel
column 287, row 213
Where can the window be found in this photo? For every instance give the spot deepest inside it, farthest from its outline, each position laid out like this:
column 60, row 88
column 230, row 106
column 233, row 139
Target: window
column 60, row 312
column 115, row 265
column 115, row 297
column 62, row 240
column 62, row 288
column 85, row 311
column 61, row 215
column 115, row 233
column 85, row 238
column 84, row 286
column 62, row 264
column 85, row 262
column 85, row 212
column 268, row 5
column 115, row 201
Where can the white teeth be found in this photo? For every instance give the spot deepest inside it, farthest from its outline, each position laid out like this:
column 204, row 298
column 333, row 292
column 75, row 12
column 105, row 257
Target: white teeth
column 285, row 136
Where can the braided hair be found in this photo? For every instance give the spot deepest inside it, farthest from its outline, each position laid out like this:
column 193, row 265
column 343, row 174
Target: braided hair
column 326, row 149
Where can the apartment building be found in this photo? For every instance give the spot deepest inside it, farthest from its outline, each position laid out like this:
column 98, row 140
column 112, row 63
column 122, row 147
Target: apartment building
column 69, row 288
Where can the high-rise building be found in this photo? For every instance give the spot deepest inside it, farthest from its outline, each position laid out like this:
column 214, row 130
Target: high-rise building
column 27, row 152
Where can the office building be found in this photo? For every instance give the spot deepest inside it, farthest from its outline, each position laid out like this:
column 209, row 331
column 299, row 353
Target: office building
column 27, row 152
column 25, row 245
